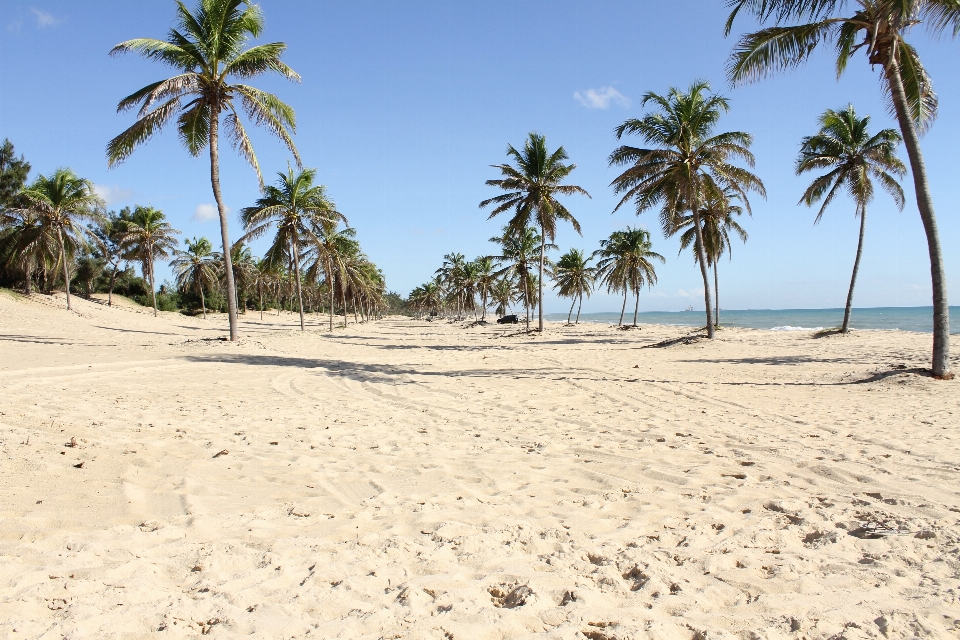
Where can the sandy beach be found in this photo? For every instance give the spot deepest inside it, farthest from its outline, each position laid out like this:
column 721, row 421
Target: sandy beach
column 411, row 479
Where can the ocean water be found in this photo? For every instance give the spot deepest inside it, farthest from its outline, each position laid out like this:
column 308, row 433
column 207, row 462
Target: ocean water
column 889, row 318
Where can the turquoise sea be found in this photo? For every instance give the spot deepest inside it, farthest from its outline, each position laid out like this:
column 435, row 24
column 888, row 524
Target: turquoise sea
column 890, row 318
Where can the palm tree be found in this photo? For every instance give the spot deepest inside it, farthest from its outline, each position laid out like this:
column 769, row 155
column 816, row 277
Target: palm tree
column 502, row 293
column 532, row 187
column 330, row 251
column 60, row 204
column 25, row 243
column 294, row 207
column 518, row 249
column 110, row 233
column 687, row 163
column 881, row 26
column 717, row 221
column 147, row 237
column 851, row 155
column 485, row 267
column 574, row 278
column 207, row 47
column 451, row 275
column 261, row 277
column 626, row 263
column 195, row 268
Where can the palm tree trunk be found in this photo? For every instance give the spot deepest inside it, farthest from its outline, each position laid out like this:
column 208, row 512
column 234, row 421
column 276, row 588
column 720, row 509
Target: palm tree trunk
column 203, row 303
column 623, row 308
column 153, row 289
column 113, row 280
column 330, row 286
column 260, row 294
column 579, row 306
column 716, row 292
column 941, row 310
column 856, row 267
column 27, row 277
column 570, row 313
column 702, row 260
column 224, row 232
column 296, row 272
column 543, row 248
column 526, row 298
column 63, row 261
column 636, row 307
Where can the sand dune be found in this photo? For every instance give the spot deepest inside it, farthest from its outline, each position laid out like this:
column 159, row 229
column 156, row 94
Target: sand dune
column 409, row 479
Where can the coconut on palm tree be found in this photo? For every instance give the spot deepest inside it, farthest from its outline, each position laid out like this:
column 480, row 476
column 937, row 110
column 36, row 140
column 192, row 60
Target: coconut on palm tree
column 195, row 268
column 532, row 188
column 148, row 237
column 574, row 278
column 879, row 28
column 54, row 209
column 686, row 162
column 852, row 159
column 293, row 209
column 208, row 49
column 717, row 221
column 626, row 264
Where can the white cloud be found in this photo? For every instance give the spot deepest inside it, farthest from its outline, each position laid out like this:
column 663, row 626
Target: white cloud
column 45, row 18
column 601, row 98
column 112, row 194
column 207, row 212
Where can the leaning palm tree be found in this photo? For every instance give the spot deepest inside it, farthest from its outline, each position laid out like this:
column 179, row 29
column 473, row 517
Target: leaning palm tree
column 195, row 268
column 293, row 208
column 60, row 204
column 147, row 237
column 532, row 187
column 879, row 28
column 717, row 221
column 686, row 163
column 574, row 278
column 207, row 48
column 626, row 263
column 852, row 157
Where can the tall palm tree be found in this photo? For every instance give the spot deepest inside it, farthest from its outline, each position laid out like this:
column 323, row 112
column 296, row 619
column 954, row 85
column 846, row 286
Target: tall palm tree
column 852, row 156
column 626, row 264
column 207, row 48
column 574, row 278
column 195, row 268
column 110, row 233
column 330, row 251
column 261, row 278
column 686, row 163
column 293, row 208
column 148, row 237
column 717, row 221
column 486, row 268
column 532, row 187
column 518, row 249
column 60, row 204
column 451, row 275
column 503, row 293
column 879, row 27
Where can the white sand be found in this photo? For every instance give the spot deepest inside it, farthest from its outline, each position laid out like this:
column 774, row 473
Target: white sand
column 400, row 479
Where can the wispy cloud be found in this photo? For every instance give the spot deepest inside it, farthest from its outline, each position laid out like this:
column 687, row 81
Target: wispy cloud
column 45, row 18
column 112, row 194
column 601, row 98
column 206, row 212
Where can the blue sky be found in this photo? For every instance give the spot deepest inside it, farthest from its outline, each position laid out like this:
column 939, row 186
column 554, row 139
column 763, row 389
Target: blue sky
column 404, row 105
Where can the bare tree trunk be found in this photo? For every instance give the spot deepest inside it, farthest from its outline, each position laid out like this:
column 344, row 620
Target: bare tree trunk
column 224, row 232
column 63, row 261
column 526, row 297
column 296, row 273
column 702, row 260
column 203, row 303
column 260, row 294
column 153, row 289
column 636, row 307
column 113, row 279
column 579, row 306
column 27, row 277
column 853, row 278
column 570, row 313
column 941, row 309
column 330, row 286
column 623, row 308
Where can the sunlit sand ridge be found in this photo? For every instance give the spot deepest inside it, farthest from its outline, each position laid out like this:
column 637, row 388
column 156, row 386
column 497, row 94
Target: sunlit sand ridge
column 408, row 479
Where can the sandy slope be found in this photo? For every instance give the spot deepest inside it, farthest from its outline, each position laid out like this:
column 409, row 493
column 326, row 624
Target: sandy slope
column 406, row 479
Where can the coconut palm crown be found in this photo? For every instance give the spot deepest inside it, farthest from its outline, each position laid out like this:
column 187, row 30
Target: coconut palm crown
column 208, row 49
column 532, row 187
